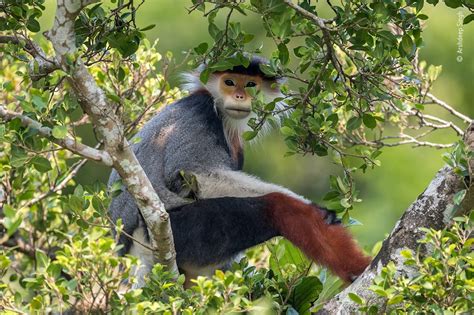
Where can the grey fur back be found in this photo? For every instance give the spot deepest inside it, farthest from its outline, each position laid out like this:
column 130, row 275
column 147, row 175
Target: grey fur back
column 187, row 135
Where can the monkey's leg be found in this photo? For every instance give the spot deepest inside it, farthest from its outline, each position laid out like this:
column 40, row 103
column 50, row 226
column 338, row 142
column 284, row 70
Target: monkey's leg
column 330, row 245
column 209, row 233
column 144, row 255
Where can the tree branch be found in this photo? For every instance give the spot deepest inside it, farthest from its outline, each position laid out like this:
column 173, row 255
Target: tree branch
column 43, row 66
column 67, row 143
column 108, row 125
column 320, row 22
column 454, row 112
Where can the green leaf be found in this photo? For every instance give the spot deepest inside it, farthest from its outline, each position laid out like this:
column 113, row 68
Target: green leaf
column 419, row 5
column 126, row 44
column 204, row 76
column 287, row 131
column 42, row 260
column 248, row 38
column 285, row 254
column 353, row 123
column 388, row 37
column 459, row 197
column 41, row 164
column 114, row 98
column 249, row 135
column 468, row 18
column 121, row 74
column 267, row 69
column 406, row 253
column 305, row 293
column 453, row 3
column 33, row 25
column 12, row 224
column 201, row 48
column 222, row 65
column 9, row 211
column 433, row 72
column 54, row 270
column 369, row 121
column 36, row 303
column 213, row 30
column 283, row 54
column 146, row 28
column 59, row 132
column 75, row 203
column 331, row 195
column 428, row 285
column 357, row 299
column 407, row 44
column 252, row 91
column 395, row 300
column 18, row 158
column 116, row 188
column 340, row 184
column 27, row 106
column 38, row 102
column 320, row 150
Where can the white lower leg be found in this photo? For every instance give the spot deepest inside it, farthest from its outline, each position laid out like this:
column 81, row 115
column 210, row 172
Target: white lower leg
column 145, row 257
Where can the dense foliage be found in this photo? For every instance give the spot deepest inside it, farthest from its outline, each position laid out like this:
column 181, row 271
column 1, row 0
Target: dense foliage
column 354, row 86
column 443, row 282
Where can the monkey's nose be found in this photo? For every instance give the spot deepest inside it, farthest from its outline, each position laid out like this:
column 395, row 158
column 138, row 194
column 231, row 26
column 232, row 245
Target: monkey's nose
column 239, row 97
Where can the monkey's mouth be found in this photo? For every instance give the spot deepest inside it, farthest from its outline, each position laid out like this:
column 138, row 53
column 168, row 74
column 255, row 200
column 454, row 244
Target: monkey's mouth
column 237, row 109
column 237, row 112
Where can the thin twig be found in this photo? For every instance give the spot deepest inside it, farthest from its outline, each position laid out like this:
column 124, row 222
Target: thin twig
column 449, row 108
column 320, row 22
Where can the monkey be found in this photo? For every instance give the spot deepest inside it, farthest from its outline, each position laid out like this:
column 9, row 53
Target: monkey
column 199, row 136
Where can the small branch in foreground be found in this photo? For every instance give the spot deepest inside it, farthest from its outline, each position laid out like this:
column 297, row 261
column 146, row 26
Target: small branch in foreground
column 408, row 140
column 454, row 112
column 320, row 22
column 44, row 65
column 67, row 143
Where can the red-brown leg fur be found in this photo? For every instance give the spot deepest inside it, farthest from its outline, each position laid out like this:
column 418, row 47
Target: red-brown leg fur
column 329, row 245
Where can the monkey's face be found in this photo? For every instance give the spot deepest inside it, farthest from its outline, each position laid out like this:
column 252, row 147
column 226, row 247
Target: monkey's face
column 236, row 101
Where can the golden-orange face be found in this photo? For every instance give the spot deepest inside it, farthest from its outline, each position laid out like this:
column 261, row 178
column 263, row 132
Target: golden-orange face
column 236, row 101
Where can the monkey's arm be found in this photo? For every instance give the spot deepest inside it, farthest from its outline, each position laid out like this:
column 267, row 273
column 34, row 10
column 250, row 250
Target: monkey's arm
column 228, row 183
column 212, row 231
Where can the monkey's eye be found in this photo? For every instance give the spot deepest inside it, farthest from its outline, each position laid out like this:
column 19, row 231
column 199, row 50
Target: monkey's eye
column 229, row 82
column 251, row 84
